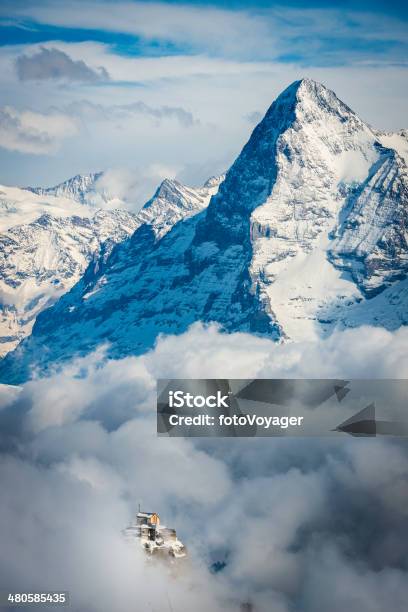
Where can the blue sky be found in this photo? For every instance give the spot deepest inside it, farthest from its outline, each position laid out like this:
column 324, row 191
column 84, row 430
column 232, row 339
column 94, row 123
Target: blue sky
column 176, row 86
column 355, row 29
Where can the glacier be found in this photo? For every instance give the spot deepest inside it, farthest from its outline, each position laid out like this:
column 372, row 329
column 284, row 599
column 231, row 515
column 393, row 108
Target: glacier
column 306, row 233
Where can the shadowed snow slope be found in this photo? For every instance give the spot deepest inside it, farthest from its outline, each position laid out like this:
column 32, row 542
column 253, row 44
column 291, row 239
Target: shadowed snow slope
column 307, row 233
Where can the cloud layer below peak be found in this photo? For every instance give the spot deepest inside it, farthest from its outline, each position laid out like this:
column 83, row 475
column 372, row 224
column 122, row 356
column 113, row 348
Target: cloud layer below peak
column 295, row 524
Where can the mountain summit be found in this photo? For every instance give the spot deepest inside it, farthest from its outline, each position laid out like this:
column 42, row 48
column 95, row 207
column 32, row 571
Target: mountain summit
column 77, row 188
column 307, row 233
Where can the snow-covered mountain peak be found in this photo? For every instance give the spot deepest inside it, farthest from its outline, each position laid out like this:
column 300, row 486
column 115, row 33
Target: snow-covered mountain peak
column 76, row 188
column 20, row 206
column 307, row 89
column 173, row 202
column 305, row 95
column 49, row 236
column 169, row 189
column 46, row 242
column 306, row 233
column 310, row 134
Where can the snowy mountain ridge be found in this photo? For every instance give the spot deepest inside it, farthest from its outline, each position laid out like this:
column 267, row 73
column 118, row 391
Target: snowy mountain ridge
column 49, row 236
column 174, row 202
column 46, row 242
column 306, row 234
column 77, row 188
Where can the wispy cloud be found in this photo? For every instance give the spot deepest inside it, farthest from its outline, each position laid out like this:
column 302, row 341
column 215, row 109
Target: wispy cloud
column 173, row 65
column 31, row 132
column 98, row 112
column 194, row 26
column 37, row 133
column 254, row 117
column 313, row 36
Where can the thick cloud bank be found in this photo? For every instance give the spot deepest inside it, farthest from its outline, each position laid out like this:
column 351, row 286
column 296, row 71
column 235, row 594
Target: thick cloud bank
column 292, row 524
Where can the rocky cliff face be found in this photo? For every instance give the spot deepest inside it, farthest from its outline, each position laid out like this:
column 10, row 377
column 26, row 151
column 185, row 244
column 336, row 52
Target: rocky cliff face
column 371, row 239
column 306, row 233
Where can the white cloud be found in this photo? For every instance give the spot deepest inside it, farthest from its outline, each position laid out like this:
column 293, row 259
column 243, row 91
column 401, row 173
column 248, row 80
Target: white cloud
column 208, row 27
column 134, row 186
column 216, row 93
column 30, row 132
column 120, row 113
column 264, row 33
column 55, row 64
column 203, row 352
column 146, row 69
column 301, row 524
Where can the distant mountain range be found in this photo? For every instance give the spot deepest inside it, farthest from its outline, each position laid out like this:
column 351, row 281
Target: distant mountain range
column 48, row 236
column 78, row 188
column 307, row 233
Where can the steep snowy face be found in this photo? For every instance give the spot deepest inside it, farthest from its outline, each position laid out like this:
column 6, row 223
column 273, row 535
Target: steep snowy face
column 371, row 238
column 324, row 154
column 306, row 232
column 325, row 148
